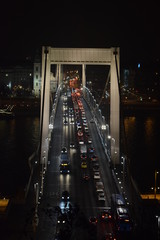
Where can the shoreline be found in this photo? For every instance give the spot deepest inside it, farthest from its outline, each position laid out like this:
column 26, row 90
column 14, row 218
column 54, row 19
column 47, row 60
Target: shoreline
column 30, row 106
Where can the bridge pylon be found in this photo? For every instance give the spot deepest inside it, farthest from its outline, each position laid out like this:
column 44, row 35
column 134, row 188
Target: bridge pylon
column 83, row 56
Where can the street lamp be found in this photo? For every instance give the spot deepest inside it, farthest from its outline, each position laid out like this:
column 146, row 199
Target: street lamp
column 155, row 183
column 123, row 163
column 113, row 150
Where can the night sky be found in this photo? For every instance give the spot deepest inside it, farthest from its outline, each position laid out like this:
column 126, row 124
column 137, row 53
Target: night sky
column 27, row 25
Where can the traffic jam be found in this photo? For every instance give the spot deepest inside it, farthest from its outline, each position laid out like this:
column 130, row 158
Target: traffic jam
column 101, row 226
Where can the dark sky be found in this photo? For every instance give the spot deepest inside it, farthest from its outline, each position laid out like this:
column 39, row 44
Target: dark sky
column 133, row 26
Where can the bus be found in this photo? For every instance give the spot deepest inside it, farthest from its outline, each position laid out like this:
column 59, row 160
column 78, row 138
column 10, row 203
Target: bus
column 120, row 213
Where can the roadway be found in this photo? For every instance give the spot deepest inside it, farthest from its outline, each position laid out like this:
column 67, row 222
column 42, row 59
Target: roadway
column 82, row 193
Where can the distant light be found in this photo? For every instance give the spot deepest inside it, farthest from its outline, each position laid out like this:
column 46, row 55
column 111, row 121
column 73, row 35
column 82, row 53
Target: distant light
column 139, row 65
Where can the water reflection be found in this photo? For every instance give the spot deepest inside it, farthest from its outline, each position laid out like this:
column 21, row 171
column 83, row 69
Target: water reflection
column 142, row 133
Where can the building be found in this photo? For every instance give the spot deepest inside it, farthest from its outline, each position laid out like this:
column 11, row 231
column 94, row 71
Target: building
column 37, row 75
column 17, row 77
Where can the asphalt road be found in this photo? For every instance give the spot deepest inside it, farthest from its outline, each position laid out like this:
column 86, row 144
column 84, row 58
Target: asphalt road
column 82, row 193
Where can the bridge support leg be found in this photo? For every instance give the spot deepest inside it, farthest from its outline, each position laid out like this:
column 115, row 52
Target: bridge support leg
column 45, row 104
column 83, row 77
column 115, row 108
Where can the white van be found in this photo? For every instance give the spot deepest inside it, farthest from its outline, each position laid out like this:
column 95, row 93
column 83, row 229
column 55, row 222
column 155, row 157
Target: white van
column 99, row 186
column 83, row 148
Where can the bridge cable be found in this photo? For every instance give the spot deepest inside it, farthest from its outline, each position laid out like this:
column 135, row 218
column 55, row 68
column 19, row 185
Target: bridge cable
column 105, row 88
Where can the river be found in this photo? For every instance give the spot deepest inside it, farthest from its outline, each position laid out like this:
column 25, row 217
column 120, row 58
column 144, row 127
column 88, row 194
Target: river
column 19, row 138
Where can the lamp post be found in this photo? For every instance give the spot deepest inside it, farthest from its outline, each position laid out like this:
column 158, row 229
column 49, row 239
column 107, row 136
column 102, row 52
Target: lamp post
column 103, row 128
column 109, row 147
column 123, row 163
column 113, row 151
column 155, row 183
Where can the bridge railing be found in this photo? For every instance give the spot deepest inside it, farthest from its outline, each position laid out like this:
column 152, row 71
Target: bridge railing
column 120, row 172
column 99, row 119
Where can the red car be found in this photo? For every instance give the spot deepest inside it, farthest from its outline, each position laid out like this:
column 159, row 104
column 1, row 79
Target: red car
column 106, row 215
column 83, row 156
column 86, row 177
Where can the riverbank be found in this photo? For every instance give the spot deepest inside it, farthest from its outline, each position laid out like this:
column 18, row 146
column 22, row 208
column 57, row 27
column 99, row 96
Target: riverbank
column 28, row 106
column 144, row 108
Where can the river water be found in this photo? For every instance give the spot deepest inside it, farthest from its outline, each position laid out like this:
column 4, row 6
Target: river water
column 143, row 142
column 19, row 138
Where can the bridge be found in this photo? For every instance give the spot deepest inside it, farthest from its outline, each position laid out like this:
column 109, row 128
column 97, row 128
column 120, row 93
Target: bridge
column 59, row 129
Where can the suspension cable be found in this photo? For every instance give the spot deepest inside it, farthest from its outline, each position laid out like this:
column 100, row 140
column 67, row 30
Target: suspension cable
column 105, row 88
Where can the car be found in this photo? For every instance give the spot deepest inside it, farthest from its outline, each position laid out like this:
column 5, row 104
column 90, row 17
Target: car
column 92, row 121
column 95, row 166
column 85, row 124
column 65, row 114
column 81, row 140
column 61, row 219
column 86, row 177
column 65, row 122
column 72, row 121
column 93, row 220
column 83, row 148
column 72, row 144
column 65, row 107
column 83, row 118
column 65, row 169
column 79, row 127
column 80, row 133
column 78, row 122
column 99, row 186
column 86, row 131
column 65, row 195
column 64, row 150
column 101, row 196
column 83, row 164
column 91, row 150
column 89, row 140
column 94, row 157
column 106, row 214
column 96, row 175
column 83, row 156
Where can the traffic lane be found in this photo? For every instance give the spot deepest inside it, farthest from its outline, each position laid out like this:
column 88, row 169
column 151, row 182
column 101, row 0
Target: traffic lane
column 82, row 191
column 51, row 194
column 86, row 201
column 105, row 170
